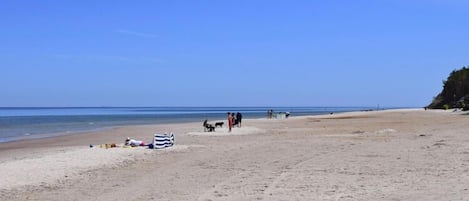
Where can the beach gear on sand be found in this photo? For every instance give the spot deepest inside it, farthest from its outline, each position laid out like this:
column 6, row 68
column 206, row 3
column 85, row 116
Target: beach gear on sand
column 161, row 141
column 107, row 146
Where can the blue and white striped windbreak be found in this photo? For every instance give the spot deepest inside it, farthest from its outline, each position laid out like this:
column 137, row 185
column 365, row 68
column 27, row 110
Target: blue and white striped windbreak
column 163, row 140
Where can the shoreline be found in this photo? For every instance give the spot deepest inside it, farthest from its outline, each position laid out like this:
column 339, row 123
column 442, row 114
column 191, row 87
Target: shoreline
column 71, row 136
column 320, row 151
column 45, row 122
column 94, row 130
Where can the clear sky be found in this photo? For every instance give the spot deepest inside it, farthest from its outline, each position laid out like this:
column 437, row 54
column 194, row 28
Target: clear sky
column 229, row 53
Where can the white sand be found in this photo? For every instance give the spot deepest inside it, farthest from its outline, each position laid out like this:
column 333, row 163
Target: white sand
column 234, row 131
column 386, row 155
column 56, row 164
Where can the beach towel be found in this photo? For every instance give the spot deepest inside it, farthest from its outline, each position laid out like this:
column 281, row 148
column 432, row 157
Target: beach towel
column 161, row 141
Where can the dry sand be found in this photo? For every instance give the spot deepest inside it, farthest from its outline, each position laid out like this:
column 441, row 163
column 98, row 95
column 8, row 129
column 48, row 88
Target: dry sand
column 384, row 155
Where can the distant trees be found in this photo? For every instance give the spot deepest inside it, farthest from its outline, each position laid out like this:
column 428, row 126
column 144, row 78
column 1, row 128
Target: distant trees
column 455, row 92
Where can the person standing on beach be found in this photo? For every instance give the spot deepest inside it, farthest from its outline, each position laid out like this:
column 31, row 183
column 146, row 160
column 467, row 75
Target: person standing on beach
column 230, row 121
column 239, row 116
column 235, row 121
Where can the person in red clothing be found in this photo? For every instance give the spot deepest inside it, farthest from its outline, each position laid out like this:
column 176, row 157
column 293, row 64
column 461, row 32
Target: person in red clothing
column 230, row 121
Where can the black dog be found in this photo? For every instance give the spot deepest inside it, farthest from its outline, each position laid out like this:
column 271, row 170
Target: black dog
column 219, row 124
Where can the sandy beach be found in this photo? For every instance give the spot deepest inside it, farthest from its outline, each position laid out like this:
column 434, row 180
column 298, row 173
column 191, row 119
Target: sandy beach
column 407, row 154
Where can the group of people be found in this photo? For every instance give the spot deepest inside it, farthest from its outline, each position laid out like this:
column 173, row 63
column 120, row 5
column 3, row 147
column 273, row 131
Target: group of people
column 234, row 120
column 270, row 114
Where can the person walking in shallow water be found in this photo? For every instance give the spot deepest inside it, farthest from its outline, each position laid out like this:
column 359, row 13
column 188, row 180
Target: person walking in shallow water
column 230, row 121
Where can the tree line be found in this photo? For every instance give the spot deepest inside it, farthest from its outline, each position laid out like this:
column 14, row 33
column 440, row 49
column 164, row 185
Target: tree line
column 455, row 93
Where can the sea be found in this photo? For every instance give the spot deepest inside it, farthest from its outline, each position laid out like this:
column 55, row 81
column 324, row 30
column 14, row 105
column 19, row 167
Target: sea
column 22, row 123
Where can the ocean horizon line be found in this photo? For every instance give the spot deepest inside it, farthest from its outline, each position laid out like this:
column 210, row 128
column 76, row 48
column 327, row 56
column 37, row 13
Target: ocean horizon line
column 42, row 107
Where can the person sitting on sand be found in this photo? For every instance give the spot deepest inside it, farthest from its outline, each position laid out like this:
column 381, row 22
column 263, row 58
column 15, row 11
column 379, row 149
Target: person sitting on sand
column 134, row 143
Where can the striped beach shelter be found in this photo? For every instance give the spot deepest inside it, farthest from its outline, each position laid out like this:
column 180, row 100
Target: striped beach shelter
column 161, row 141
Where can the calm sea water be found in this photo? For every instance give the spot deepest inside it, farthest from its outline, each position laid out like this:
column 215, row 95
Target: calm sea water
column 29, row 123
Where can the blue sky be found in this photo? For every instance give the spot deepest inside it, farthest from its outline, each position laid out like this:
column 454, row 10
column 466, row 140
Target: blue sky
column 229, row 53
